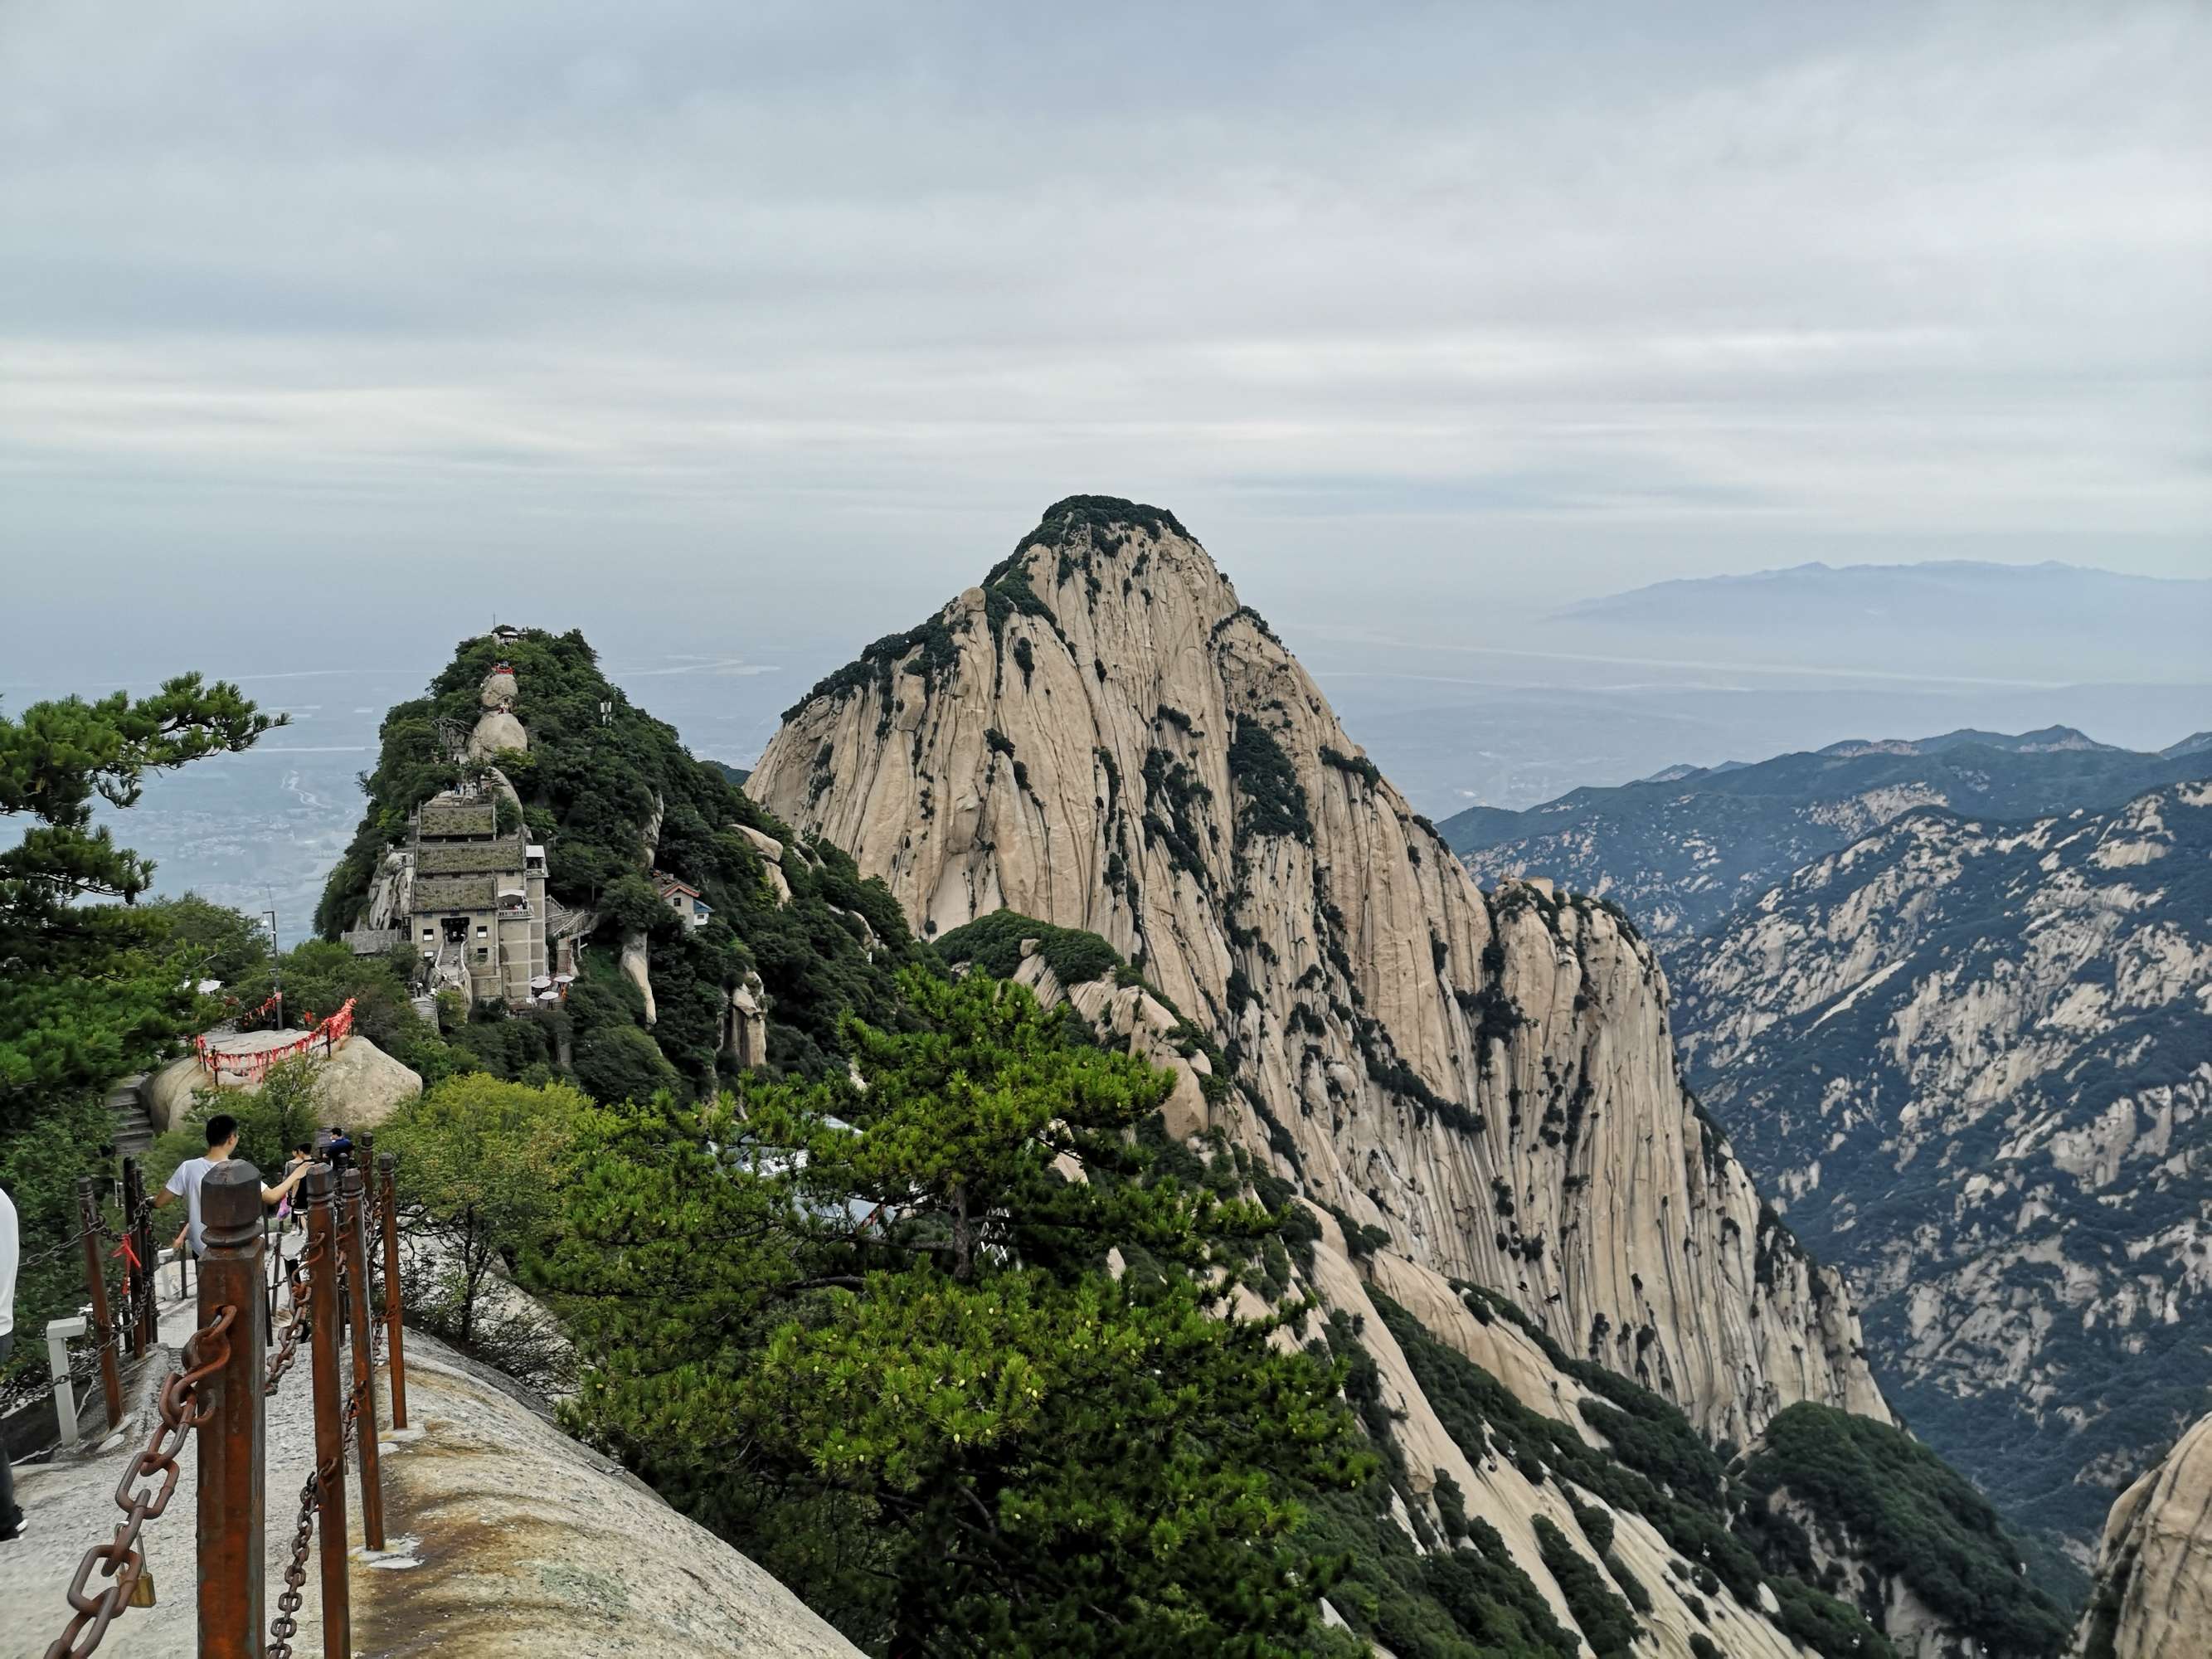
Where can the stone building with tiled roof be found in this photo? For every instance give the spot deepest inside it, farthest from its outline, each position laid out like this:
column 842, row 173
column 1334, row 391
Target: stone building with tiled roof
column 467, row 898
column 476, row 909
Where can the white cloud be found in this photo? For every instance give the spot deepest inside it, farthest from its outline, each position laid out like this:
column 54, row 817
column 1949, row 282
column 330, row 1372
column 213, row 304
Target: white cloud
column 1892, row 274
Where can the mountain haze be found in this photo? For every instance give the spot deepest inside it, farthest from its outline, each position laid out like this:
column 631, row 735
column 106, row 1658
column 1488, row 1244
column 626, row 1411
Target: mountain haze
column 2051, row 623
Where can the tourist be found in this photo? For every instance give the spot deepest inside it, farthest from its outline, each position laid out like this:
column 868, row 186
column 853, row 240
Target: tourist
column 11, row 1518
column 222, row 1144
column 296, row 1163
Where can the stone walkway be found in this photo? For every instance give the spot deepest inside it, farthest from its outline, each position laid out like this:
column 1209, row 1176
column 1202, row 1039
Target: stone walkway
column 69, row 1505
column 507, row 1538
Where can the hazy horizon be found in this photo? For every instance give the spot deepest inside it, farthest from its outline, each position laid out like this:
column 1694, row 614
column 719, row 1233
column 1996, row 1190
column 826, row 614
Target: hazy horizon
column 739, row 337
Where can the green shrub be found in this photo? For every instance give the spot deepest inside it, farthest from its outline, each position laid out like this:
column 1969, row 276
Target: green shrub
column 1907, row 1514
column 1607, row 1623
column 993, row 944
column 1273, row 801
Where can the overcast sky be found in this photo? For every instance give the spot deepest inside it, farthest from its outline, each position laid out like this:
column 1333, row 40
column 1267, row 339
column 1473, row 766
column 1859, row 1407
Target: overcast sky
column 776, row 318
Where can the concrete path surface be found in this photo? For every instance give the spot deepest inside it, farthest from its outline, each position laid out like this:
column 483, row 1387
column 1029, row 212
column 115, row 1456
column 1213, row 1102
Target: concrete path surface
column 507, row 1538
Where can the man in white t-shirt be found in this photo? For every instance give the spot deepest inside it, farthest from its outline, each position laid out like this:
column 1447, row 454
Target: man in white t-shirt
column 11, row 1518
column 221, row 1146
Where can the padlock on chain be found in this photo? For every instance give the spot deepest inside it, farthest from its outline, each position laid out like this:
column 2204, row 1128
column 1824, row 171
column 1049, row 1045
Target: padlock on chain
column 142, row 1592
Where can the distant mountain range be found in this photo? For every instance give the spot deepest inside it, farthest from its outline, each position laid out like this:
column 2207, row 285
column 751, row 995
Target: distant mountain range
column 1951, row 997
column 1683, row 848
column 1948, row 618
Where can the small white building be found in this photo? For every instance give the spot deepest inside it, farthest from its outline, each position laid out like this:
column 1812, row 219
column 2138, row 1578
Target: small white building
column 684, row 900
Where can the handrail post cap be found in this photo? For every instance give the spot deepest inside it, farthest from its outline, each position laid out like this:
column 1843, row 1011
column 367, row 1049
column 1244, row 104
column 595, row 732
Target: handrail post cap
column 230, row 1204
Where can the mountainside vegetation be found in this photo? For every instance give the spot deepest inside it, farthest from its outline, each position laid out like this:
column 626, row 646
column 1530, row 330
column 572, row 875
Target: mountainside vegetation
column 1973, row 1061
column 869, row 1333
column 1880, row 1496
column 612, row 794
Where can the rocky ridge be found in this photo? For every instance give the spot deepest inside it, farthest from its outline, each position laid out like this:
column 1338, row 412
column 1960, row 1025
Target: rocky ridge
column 1683, row 849
column 1100, row 735
column 1481, row 1466
column 1974, row 1061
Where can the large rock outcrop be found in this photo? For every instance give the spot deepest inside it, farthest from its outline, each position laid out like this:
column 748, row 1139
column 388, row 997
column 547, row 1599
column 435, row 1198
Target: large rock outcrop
column 1103, row 737
column 2154, row 1594
column 359, row 1086
column 1493, row 1488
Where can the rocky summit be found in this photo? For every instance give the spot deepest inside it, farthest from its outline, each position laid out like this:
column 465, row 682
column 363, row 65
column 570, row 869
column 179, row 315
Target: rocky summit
column 1102, row 737
column 1975, row 1059
column 1566, row 1312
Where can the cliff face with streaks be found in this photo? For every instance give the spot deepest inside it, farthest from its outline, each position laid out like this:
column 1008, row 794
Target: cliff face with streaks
column 1102, row 737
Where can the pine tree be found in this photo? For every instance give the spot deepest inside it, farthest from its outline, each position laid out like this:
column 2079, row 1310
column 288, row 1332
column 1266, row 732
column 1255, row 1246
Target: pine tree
column 90, row 988
column 869, row 1331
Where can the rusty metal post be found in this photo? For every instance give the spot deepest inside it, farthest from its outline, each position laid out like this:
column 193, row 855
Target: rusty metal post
column 136, row 1303
column 387, row 1168
column 353, row 1214
column 233, row 1498
column 95, row 1285
column 338, row 1191
column 150, row 1320
column 329, row 1409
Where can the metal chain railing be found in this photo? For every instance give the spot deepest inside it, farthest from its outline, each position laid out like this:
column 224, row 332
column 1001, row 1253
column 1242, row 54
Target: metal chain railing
column 126, row 1316
column 285, row 1625
column 48, row 1258
column 324, row 1292
column 301, row 1321
column 123, row 1562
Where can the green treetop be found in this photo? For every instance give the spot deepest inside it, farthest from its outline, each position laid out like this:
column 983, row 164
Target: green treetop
column 90, row 988
column 868, row 1331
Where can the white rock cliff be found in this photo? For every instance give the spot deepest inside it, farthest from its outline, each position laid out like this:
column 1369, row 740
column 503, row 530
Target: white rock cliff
column 1102, row 737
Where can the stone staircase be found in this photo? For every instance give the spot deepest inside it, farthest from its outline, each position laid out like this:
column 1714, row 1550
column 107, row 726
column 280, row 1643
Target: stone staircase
column 134, row 1124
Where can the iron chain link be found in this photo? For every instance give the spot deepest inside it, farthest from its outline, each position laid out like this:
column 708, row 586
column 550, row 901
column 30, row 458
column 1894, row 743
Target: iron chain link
column 120, row 1557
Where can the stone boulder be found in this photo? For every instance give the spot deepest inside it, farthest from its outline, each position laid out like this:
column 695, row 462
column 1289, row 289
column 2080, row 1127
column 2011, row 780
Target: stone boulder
column 770, row 848
column 496, row 731
column 2154, row 1594
column 167, row 1093
column 359, row 1087
column 771, row 852
column 745, row 1031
